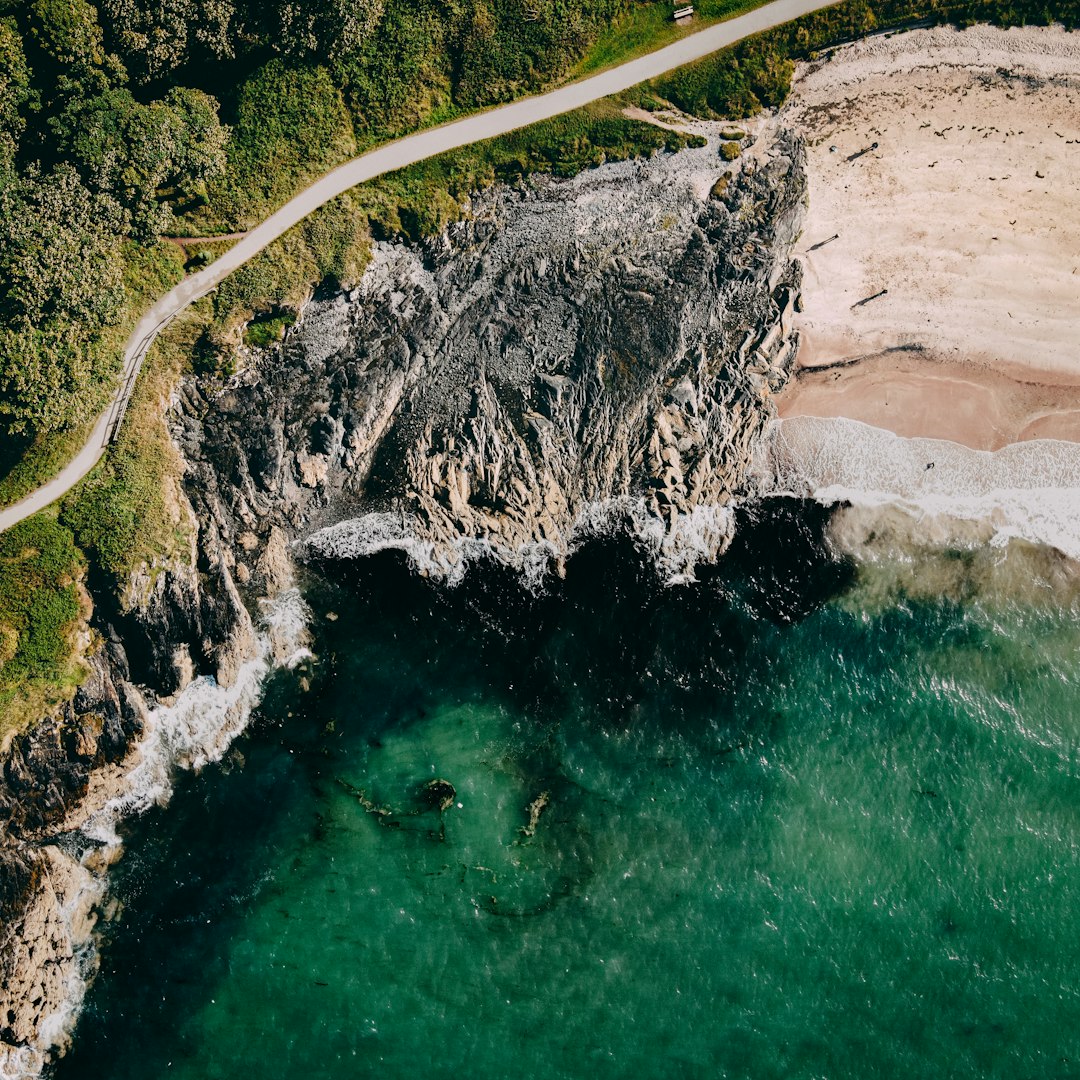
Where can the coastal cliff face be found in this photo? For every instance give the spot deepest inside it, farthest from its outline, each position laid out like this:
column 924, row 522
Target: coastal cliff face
column 53, row 778
column 578, row 355
column 576, row 349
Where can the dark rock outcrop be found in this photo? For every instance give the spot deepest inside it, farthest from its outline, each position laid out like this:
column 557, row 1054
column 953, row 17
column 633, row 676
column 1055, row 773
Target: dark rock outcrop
column 52, row 778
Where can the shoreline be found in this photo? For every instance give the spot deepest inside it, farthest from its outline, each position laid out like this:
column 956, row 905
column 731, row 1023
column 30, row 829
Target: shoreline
column 926, row 493
column 916, row 397
column 941, row 290
column 193, row 746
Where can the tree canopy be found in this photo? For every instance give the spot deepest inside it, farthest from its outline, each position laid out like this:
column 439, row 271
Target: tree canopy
column 60, row 286
column 157, row 38
column 134, row 152
column 123, row 119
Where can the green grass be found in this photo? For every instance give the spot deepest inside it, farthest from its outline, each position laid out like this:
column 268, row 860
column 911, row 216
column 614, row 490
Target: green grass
column 649, row 26
column 268, row 329
column 40, row 604
column 25, row 466
column 129, row 512
column 332, row 244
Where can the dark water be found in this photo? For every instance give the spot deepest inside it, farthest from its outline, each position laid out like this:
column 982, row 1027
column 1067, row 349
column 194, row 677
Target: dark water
column 793, row 825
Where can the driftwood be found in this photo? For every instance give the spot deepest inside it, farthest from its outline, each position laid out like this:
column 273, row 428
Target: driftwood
column 866, row 300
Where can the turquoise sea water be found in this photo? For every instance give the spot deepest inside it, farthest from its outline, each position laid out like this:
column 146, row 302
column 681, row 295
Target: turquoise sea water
column 797, row 821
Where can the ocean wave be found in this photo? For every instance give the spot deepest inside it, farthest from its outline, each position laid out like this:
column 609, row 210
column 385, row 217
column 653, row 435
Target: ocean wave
column 205, row 718
column 1028, row 491
column 370, row 534
column 196, row 729
column 677, row 545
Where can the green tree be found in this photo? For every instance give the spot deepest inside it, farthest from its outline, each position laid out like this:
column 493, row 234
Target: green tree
column 60, row 285
column 157, row 38
column 200, row 139
column 325, row 30
column 68, row 31
column 15, row 94
column 134, row 152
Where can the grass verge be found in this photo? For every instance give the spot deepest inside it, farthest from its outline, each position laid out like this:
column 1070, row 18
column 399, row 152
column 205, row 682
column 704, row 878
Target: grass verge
column 41, row 601
column 129, row 511
column 148, row 272
column 644, row 28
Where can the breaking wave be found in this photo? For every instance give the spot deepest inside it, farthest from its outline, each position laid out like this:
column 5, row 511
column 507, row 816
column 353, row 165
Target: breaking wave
column 678, row 545
column 1028, row 491
column 197, row 728
column 205, row 718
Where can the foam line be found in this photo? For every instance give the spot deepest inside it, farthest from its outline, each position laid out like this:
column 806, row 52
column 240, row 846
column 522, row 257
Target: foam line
column 1028, row 490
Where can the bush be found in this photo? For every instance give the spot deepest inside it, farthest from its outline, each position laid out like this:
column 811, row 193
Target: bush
column 268, row 329
column 39, row 602
column 291, row 126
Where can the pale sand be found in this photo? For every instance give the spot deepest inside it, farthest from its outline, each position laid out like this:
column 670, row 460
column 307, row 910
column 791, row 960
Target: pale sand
column 979, row 253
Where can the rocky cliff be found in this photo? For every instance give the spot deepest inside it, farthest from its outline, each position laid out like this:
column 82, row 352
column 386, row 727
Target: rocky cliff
column 575, row 350
column 577, row 355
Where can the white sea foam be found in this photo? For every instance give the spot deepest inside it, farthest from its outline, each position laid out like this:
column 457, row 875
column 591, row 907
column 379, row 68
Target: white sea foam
column 372, row 533
column 188, row 734
column 1027, row 490
column 677, row 546
column 76, row 891
column 85, row 891
column 20, row 1063
column 203, row 721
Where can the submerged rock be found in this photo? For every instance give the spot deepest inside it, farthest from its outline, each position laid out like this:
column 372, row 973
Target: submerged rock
column 438, row 795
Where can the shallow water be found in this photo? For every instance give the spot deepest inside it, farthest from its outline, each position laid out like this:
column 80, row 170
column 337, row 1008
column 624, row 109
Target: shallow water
column 798, row 823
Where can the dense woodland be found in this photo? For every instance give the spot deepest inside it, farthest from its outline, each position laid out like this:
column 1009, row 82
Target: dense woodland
column 111, row 126
column 131, row 120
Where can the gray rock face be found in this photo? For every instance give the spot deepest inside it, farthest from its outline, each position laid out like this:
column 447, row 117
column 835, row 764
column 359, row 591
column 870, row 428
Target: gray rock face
column 579, row 350
column 50, row 779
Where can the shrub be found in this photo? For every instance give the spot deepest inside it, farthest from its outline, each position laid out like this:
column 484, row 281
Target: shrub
column 39, row 602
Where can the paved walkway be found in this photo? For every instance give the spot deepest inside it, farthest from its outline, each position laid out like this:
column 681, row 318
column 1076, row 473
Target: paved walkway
column 387, row 158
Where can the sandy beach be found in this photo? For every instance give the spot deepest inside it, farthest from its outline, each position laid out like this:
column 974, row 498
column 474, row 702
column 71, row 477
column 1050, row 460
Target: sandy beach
column 942, row 243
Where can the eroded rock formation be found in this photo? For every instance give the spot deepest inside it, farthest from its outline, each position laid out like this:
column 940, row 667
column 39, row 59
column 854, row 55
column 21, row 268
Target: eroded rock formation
column 576, row 348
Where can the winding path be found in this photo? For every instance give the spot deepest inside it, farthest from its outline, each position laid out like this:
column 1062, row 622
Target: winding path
column 387, row 158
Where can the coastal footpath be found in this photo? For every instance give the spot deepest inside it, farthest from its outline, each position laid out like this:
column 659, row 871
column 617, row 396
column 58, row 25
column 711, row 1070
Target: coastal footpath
column 396, row 155
column 575, row 355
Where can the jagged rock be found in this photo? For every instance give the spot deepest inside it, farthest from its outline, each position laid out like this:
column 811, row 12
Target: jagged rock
column 576, row 347
column 605, row 342
column 46, row 896
column 438, row 794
